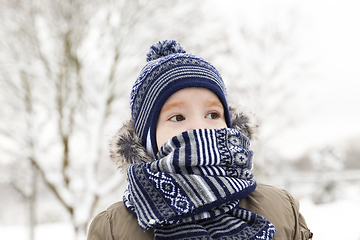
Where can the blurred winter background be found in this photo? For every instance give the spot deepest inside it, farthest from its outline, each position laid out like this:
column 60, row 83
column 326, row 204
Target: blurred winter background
column 67, row 66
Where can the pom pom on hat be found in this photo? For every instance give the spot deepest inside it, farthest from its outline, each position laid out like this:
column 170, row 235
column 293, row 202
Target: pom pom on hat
column 164, row 48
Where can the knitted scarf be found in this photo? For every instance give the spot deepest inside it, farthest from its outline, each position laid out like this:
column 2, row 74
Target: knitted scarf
column 193, row 188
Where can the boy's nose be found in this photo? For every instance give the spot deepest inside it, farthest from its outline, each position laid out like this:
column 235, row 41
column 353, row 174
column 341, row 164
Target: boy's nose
column 197, row 124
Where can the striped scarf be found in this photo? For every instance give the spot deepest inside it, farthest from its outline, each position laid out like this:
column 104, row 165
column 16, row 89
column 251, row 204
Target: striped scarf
column 193, row 188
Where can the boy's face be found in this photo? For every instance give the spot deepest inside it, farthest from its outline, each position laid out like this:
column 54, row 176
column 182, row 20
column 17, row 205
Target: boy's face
column 187, row 109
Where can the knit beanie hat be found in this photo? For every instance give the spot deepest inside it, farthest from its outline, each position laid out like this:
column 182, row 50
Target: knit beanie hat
column 169, row 69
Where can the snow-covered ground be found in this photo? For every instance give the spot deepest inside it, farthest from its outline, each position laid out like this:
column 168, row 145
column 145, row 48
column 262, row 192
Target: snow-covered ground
column 53, row 231
column 336, row 220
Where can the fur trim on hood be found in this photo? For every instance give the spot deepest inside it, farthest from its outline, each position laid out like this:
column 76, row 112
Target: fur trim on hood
column 126, row 147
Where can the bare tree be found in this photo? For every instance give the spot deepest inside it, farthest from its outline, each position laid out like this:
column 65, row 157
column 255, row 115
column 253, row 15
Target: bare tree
column 65, row 67
column 48, row 101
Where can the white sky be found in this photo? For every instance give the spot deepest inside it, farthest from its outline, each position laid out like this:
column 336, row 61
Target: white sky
column 329, row 37
column 333, row 27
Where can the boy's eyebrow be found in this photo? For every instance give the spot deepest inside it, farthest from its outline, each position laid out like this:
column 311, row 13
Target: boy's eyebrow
column 214, row 103
column 171, row 105
column 179, row 104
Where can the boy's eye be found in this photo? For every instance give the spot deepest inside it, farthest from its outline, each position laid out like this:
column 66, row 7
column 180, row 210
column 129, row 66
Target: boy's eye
column 213, row 115
column 177, row 118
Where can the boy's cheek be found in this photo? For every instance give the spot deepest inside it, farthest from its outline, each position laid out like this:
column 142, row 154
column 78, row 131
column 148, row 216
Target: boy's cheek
column 166, row 131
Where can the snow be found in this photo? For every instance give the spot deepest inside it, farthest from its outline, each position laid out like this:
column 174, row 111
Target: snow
column 53, row 231
column 336, row 220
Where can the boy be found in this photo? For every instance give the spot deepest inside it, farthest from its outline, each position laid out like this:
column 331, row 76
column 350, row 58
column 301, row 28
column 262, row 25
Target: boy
column 189, row 162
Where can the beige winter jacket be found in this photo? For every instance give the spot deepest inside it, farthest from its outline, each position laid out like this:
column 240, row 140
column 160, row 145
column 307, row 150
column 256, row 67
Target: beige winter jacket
column 276, row 205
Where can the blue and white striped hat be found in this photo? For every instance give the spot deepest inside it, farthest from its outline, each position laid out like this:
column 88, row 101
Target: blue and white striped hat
column 169, row 69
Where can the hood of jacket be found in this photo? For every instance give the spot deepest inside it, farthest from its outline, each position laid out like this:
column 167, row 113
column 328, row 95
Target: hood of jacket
column 126, row 147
